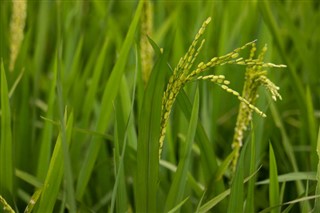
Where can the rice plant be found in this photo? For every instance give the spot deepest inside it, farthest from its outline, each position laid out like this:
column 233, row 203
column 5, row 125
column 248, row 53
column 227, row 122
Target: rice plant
column 159, row 106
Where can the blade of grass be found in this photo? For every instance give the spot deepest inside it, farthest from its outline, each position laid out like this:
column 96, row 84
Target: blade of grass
column 317, row 200
column 91, row 94
column 312, row 129
column 288, row 150
column 237, row 187
column 196, row 186
column 44, row 16
column 109, row 95
column 84, row 131
column 119, row 190
column 6, row 207
column 68, row 176
column 46, row 146
column 249, row 207
column 299, row 200
column 121, row 140
column 76, row 62
column 225, row 165
column 209, row 161
column 200, row 202
column 178, row 206
column 178, row 185
column 148, row 140
column 288, row 209
column 294, row 176
column 214, row 201
column 126, row 105
column 55, row 173
column 6, row 146
column 274, row 184
column 28, row 178
column 34, row 199
column 15, row 84
column 282, row 190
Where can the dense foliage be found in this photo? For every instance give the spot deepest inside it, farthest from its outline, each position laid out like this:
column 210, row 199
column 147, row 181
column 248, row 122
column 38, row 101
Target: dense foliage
column 89, row 88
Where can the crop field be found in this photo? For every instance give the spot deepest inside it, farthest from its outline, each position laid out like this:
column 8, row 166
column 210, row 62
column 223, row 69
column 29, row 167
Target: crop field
column 159, row 106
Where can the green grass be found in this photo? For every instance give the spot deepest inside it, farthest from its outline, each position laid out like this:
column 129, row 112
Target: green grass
column 80, row 129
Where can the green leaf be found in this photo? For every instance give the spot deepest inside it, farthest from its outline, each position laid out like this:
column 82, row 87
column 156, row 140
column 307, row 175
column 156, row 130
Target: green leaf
column 34, row 199
column 6, row 207
column 237, row 187
column 298, row 200
column 217, row 199
column 274, row 184
column 288, row 150
column 208, row 157
column 178, row 185
column 28, row 178
column 46, row 145
column 317, row 200
column 214, row 201
column 91, row 94
column 293, row 176
column 54, row 176
column 249, row 207
column 148, row 141
column 178, row 206
column 109, row 95
column 225, row 165
column 119, row 189
column 6, row 143
column 312, row 129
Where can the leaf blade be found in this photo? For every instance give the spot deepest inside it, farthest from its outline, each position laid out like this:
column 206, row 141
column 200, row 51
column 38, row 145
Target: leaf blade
column 180, row 178
column 274, row 184
column 148, row 139
column 6, row 146
column 109, row 95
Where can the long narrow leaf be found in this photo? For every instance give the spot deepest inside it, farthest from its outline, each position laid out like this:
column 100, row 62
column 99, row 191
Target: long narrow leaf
column 294, row 176
column 109, row 95
column 91, row 94
column 298, row 200
column 178, row 206
column 289, row 150
column 46, row 146
column 119, row 189
column 250, row 197
column 34, row 199
column 55, row 173
column 5, row 205
column 274, row 184
column 180, row 178
column 237, row 187
column 6, row 146
column 148, row 140
column 317, row 200
column 209, row 161
column 214, row 201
